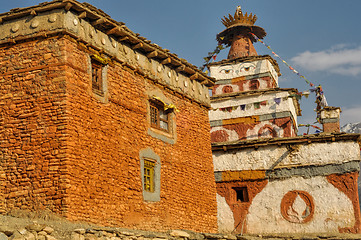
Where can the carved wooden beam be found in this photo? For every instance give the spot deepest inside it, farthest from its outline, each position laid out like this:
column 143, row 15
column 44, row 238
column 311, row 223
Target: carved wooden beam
column 114, row 30
column 139, row 45
column 99, row 21
column 68, row 6
column 166, row 61
column 152, row 54
column 180, row 68
column 82, row 15
column 194, row 76
column 122, row 39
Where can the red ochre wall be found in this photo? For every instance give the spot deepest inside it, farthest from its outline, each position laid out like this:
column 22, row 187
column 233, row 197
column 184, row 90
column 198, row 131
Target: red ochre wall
column 104, row 144
column 32, row 125
column 65, row 150
column 241, row 129
column 347, row 183
column 240, row 209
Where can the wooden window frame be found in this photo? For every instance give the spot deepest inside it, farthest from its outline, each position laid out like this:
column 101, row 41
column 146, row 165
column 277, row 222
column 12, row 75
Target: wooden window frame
column 97, row 77
column 149, row 175
column 155, row 116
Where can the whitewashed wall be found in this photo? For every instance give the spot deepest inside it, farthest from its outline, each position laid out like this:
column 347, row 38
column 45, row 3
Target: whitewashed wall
column 332, row 208
column 229, row 71
column 265, row 157
column 271, row 107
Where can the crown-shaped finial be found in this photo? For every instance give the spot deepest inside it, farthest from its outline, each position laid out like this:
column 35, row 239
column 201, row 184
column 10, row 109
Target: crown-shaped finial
column 239, row 19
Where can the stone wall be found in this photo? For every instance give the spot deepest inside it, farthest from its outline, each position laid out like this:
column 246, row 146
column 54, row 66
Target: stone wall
column 105, row 140
column 16, row 228
column 67, row 149
column 32, row 125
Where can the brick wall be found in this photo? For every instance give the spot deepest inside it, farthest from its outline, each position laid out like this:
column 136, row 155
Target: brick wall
column 68, row 150
column 32, row 125
column 104, row 144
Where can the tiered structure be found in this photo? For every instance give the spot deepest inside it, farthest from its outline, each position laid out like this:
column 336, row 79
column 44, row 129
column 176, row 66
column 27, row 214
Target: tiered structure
column 247, row 102
column 269, row 180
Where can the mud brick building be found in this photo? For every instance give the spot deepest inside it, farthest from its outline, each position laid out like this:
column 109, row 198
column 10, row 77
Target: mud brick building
column 269, row 180
column 98, row 124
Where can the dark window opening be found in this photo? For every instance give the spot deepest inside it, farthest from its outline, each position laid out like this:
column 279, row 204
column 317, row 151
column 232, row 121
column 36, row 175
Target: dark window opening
column 241, row 194
column 254, row 85
column 97, row 80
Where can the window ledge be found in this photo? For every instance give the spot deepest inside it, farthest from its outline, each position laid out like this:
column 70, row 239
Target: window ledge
column 163, row 136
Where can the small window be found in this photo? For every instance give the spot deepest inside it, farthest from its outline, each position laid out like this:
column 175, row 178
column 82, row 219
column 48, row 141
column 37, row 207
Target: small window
column 148, row 175
column 254, row 85
column 97, row 78
column 159, row 118
column 241, row 194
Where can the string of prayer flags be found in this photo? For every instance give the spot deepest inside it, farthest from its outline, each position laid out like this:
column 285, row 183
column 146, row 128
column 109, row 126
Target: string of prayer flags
column 212, row 55
column 289, row 66
column 263, row 103
column 255, row 105
column 309, row 125
column 320, row 97
column 318, row 129
column 277, row 101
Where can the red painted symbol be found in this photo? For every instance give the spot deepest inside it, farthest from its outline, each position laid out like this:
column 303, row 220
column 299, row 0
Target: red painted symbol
column 297, row 206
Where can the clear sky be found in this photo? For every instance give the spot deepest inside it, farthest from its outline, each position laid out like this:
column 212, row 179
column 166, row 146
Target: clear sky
column 321, row 39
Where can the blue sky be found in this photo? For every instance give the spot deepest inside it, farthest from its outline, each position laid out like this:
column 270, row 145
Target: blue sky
column 320, row 39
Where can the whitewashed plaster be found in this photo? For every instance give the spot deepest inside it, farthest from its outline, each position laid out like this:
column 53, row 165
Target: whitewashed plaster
column 232, row 134
column 332, row 208
column 265, row 157
column 253, row 133
column 225, row 217
column 270, row 108
column 230, row 71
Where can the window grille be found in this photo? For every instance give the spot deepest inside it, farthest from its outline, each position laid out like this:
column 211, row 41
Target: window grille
column 149, row 175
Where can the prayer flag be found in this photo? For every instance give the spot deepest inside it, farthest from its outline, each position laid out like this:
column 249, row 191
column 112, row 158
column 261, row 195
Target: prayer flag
column 277, row 101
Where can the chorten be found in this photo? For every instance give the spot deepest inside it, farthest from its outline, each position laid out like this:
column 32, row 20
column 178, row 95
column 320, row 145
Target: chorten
column 247, row 102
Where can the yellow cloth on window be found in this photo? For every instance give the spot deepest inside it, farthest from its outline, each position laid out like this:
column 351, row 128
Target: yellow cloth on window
column 166, row 105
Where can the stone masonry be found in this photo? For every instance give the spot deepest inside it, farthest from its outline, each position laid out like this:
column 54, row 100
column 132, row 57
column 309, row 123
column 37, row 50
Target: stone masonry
column 67, row 148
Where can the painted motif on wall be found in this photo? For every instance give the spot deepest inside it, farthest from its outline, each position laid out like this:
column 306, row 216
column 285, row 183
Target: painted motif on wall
column 297, row 206
column 221, row 134
column 241, row 85
column 231, row 71
column 265, row 130
column 300, row 205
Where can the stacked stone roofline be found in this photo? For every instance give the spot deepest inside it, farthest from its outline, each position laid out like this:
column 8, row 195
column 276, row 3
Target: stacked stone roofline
column 247, row 102
column 112, row 39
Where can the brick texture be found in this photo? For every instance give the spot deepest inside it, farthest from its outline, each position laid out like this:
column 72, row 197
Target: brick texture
column 64, row 149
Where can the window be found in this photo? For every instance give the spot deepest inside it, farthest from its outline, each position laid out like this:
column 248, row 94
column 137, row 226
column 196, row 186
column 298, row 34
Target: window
column 150, row 165
column 159, row 118
column 148, row 175
column 241, row 194
column 254, row 85
column 97, row 78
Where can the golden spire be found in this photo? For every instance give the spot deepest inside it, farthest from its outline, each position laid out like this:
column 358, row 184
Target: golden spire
column 239, row 19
